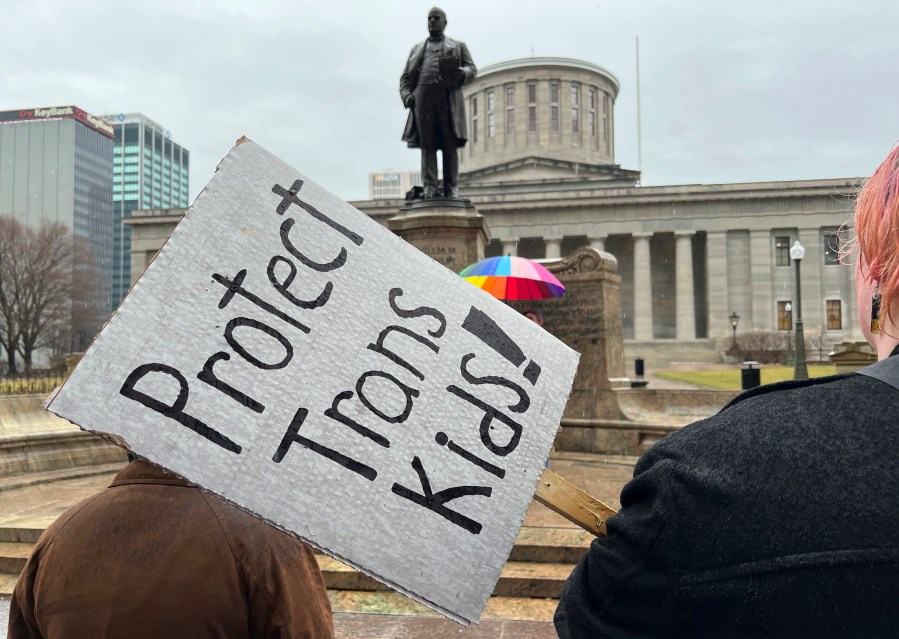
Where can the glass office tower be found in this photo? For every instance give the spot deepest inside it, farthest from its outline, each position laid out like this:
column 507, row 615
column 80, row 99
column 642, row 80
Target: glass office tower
column 149, row 171
column 56, row 166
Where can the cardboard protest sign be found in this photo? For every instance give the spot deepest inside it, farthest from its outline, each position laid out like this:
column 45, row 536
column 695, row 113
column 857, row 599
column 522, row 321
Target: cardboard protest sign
column 293, row 356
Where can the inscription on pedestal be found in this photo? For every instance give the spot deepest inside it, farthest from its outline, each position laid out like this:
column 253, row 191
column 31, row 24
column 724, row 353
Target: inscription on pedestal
column 453, row 237
column 446, row 255
column 576, row 315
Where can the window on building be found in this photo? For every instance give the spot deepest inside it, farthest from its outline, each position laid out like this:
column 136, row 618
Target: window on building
column 606, row 127
column 784, row 316
column 474, row 119
column 532, row 107
column 782, row 250
column 491, row 116
column 591, row 114
column 575, row 108
column 831, row 249
column 553, row 106
column 834, row 311
column 510, row 109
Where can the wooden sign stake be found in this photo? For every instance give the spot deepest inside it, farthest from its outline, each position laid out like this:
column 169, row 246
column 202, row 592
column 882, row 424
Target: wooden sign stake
column 572, row 503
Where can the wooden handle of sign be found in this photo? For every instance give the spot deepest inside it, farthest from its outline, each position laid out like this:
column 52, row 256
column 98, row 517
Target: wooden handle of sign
column 572, row 503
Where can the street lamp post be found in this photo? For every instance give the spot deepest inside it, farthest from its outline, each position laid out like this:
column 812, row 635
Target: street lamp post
column 788, row 309
column 800, row 371
column 734, row 318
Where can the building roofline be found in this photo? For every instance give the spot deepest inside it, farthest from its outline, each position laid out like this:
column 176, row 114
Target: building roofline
column 571, row 63
column 136, row 118
column 69, row 112
column 533, row 160
column 597, row 195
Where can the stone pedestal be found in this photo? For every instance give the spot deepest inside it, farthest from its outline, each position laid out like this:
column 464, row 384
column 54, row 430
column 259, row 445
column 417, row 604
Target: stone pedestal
column 848, row 357
column 450, row 231
column 588, row 319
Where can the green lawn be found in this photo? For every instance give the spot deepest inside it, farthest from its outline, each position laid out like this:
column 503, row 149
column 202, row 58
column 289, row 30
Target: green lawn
column 730, row 379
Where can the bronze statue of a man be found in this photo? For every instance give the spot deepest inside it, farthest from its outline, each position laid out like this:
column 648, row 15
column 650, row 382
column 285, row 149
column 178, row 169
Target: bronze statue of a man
column 431, row 88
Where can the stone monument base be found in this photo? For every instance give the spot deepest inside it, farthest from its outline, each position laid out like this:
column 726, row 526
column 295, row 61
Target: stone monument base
column 450, row 231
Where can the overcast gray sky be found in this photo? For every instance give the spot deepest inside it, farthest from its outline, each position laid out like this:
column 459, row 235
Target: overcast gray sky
column 730, row 92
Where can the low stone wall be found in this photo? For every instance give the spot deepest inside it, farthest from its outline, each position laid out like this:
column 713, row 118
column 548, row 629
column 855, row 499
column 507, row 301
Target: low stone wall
column 25, row 415
column 51, row 451
column 607, row 436
column 650, row 415
column 35, row 441
column 672, row 407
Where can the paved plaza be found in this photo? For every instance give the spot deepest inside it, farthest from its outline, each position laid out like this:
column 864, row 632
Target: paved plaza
column 387, row 615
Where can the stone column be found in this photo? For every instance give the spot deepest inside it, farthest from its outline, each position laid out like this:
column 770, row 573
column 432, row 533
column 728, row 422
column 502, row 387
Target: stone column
column 685, row 314
column 553, row 247
column 598, row 243
column 510, row 245
column 812, row 265
column 760, row 261
column 642, row 287
column 716, row 268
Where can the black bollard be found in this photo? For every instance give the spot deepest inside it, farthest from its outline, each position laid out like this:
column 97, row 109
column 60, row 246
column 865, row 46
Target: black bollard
column 751, row 377
column 638, row 381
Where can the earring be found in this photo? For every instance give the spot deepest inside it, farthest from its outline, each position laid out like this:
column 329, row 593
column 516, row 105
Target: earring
column 875, row 311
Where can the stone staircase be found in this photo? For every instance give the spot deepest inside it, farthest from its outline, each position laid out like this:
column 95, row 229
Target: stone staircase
column 528, row 588
column 47, row 465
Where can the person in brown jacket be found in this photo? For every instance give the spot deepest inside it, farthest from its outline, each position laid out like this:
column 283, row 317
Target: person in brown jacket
column 154, row 556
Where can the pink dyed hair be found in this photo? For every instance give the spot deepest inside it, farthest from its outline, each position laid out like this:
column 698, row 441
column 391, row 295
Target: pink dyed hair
column 877, row 229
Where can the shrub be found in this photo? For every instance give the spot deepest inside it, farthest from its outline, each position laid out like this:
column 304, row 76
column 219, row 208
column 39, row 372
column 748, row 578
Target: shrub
column 767, row 347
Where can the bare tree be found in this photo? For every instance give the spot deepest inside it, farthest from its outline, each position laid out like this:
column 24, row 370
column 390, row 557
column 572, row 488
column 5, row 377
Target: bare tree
column 48, row 289
column 12, row 237
column 821, row 342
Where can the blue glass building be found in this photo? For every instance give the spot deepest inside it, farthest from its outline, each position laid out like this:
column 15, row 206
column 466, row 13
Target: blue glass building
column 149, row 170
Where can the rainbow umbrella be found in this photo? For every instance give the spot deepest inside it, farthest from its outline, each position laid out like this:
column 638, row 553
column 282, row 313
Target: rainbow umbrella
column 509, row 277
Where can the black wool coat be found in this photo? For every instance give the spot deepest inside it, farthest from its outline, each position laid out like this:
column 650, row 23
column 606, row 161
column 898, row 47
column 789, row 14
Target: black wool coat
column 777, row 517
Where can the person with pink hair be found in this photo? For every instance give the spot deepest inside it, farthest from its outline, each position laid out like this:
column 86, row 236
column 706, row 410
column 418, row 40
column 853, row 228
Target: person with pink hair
column 876, row 252
column 779, row 516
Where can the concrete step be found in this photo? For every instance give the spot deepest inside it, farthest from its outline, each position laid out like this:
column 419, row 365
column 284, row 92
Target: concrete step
column 538, row 566
column 552, row 545
column 13, row 556
column 65, row 450
column 518, row 579
column 26, row 529
column 7, row 583
column 393, row 603
column 36, row 478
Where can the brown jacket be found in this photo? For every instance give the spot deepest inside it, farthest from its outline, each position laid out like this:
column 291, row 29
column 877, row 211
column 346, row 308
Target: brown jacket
column 152, row 556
